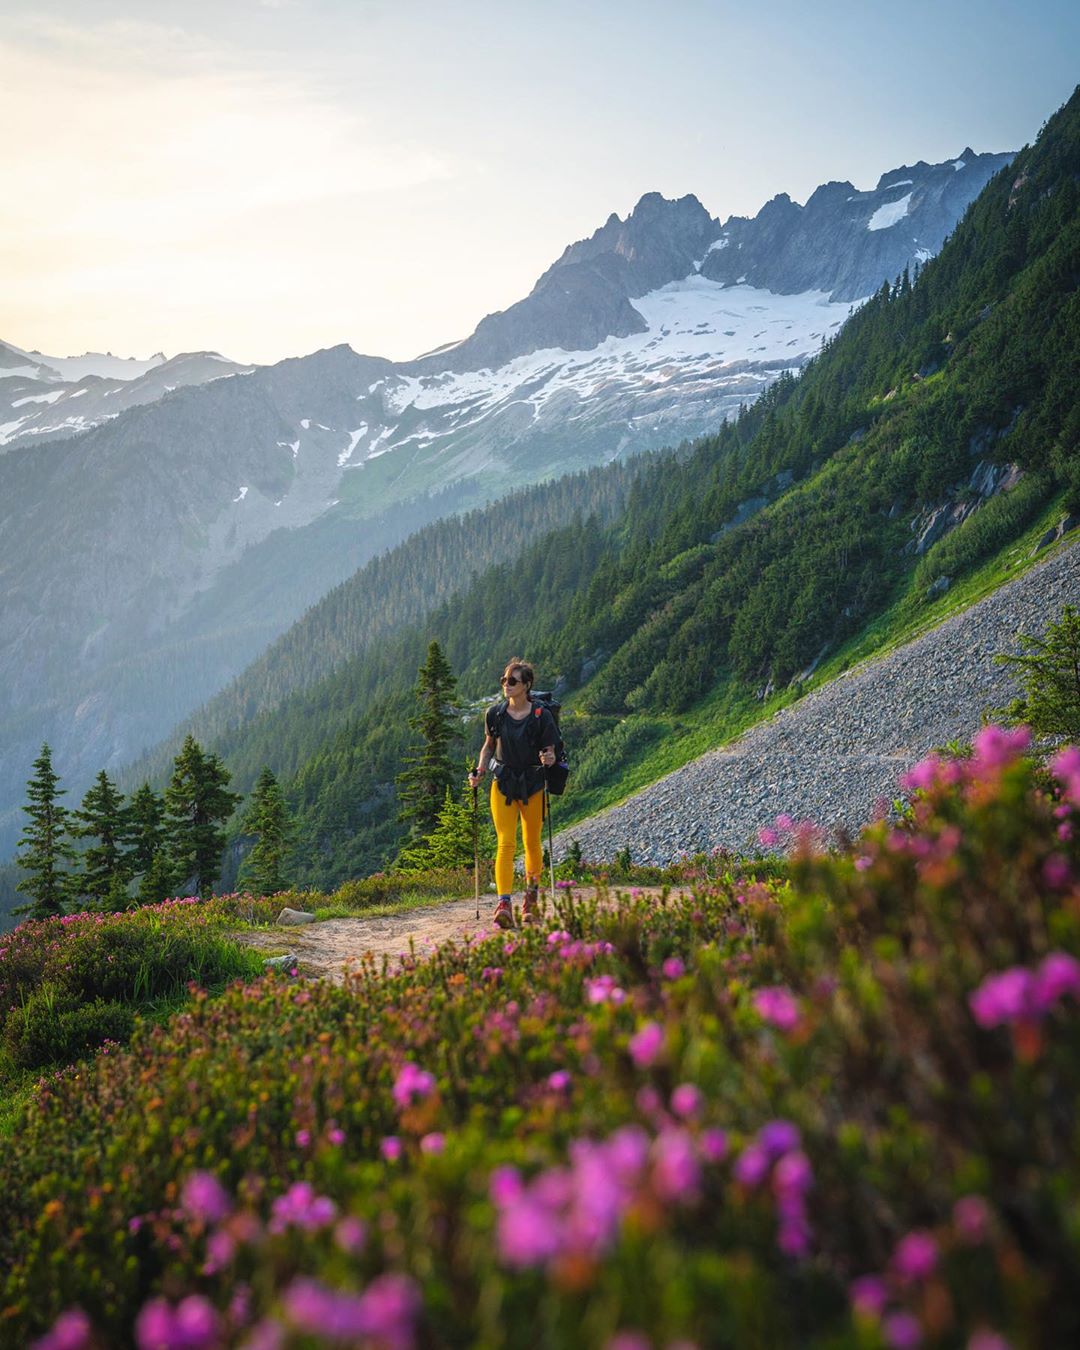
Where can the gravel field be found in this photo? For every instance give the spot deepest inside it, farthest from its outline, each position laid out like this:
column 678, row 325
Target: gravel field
column 840, row 750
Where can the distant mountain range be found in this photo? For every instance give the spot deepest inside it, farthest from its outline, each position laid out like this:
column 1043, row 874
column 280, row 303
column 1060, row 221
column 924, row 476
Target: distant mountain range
column 159, row 530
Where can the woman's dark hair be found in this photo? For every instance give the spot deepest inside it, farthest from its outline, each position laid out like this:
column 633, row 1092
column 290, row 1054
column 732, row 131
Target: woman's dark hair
column 525, row 671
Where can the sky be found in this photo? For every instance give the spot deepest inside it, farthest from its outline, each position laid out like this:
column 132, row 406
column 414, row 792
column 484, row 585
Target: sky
column 264, row 178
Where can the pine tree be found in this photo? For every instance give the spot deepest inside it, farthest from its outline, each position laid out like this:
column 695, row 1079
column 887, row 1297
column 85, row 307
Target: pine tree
column 104, row 873
column 197, row 805
column 450, row 844
column 146, row 829
column 158, row 880
column 44, row 846
column 267, row 818
column 1049, row 669
column 431, row 770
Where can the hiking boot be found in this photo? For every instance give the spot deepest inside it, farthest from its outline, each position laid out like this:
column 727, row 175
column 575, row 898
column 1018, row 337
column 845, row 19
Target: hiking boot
column 530, row 910
column 504, row 914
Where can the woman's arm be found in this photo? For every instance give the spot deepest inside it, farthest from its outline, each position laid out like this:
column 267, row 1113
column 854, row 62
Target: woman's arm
column 486, row 751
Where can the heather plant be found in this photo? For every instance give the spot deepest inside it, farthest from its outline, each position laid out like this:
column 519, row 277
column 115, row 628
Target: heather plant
column 833, row 1109
column 69, row 983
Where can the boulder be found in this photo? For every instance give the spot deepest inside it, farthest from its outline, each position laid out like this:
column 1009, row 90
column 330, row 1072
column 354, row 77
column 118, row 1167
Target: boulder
column 292, row 917
column 280, row 962
column 938, row 587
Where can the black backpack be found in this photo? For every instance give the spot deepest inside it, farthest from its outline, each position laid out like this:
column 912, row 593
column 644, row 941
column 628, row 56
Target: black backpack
column 559, row 772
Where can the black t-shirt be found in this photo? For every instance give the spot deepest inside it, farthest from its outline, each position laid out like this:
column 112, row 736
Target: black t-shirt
column 520, row 774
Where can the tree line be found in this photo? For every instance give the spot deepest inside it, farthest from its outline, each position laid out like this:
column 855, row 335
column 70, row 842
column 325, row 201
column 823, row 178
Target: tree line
column 111, row 852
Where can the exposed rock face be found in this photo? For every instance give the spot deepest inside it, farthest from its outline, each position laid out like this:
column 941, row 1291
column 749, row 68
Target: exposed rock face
column 844, row 241
column 839, row 752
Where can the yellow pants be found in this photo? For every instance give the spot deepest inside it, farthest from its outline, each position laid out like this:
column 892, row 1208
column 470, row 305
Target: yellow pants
column 506, row 819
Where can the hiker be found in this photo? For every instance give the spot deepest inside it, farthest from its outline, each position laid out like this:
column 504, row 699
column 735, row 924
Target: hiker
column 520, row 742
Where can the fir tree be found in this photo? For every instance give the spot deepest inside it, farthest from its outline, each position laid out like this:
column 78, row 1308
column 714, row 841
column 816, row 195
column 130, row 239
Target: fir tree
column 450, row 844
column 158, row 880
column 1049, row 669
column 197, row 805
column 104, row 873
column 431, row 770
column 146, row 829
column 44, row 846
column 267, row 818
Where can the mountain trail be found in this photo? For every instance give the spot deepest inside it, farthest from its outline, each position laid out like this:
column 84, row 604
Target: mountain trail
column 329, row 948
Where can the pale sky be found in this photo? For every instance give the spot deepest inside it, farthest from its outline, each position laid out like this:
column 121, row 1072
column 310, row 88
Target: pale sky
column 267, row 177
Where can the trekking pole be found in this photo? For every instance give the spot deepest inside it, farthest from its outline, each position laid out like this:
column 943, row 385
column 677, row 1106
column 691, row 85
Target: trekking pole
column 551, row 843
column 476, row 854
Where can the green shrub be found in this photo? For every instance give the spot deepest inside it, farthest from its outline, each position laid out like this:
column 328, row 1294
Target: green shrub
column 52, row 1028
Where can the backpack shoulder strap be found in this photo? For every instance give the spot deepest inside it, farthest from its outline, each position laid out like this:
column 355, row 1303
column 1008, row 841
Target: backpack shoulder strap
column 496, row 721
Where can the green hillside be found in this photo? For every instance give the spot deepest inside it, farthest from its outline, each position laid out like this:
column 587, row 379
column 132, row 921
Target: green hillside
column 671, row 610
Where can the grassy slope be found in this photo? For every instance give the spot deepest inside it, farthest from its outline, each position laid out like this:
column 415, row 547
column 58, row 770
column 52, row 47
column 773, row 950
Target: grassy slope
column 732, row 710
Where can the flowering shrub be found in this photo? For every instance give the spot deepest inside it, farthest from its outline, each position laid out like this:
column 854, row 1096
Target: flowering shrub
column 835, row 1111
column 69, row 983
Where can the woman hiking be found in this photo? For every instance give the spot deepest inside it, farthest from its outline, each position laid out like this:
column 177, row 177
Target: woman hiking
column 520, row 741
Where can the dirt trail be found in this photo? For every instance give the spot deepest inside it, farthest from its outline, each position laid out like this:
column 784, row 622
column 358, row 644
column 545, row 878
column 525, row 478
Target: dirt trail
column 326, row 949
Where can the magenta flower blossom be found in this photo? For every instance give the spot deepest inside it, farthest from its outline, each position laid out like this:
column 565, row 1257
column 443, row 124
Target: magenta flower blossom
column 1058, row 975
column 628, row 1340
column 313, row 1308
column 673, row 968
column 433, row 1143
column 686, row 1101
column 505, row 1186
column 412, row 1084
column 869, row 1295
column 1006, row 997
column 265, row 1335
column 1056, row 872
column 971, row 1218
column 777, row 1006
column 676, row 1172
column 220, row 1250
column 779, row 1137
column 987, row 1340
column 713, row 1145
column 916, row 1256
column 391, row 1148
column 767, row 837
column 902, row 1331
column 604, row 990
column 752, row 1166
column 350, row 1235
column 528, row 1233
column 303, row 1138
column 646, row 1044
column 793, row 1174
column 301, row 1207
column 204, row 1199
column 627, row 1151
column 70, row 1331
column 559, row 1081
column 995, row 747
column 1066, row 769
column 192, row 1325
column 335, row 1135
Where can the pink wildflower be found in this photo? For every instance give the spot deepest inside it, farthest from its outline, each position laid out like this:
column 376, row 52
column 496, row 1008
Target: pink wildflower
column 777, row 1006
column 204, row 1199
column 713, row 1145
column 604, row 990
column 779, row 1137
column 1005, row 997
column 433, row 1143
column 868, row 1295
column 1058, row 975
column 70, row 1331
column 303, row 1138
column 902, row 1331
column 391, row 1148
column 505, row 1186
column 1066, row 769
column 1056, row 872
column 412, row 1083
column 527, row 1233
column 686, row 1101
column 559, row 1081
column 646, row 1045
column 767, row 837
column 350, row 1235
column 915, row 1257
column 996, row 748
column 752, row 1166
column 192, row 1325
column 673, row 968
column 301, row 1207
column 676, row 1173
column 971, row 1218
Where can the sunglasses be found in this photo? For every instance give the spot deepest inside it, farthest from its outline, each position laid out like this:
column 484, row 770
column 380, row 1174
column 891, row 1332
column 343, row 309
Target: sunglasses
column 510, row 680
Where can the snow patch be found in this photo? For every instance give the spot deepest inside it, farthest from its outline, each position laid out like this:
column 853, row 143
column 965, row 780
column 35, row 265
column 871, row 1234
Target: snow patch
column 243, row 493
column 354, row 437
column 959, row 164
column 50, row 397
column 889, row 214
column 900, row 182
